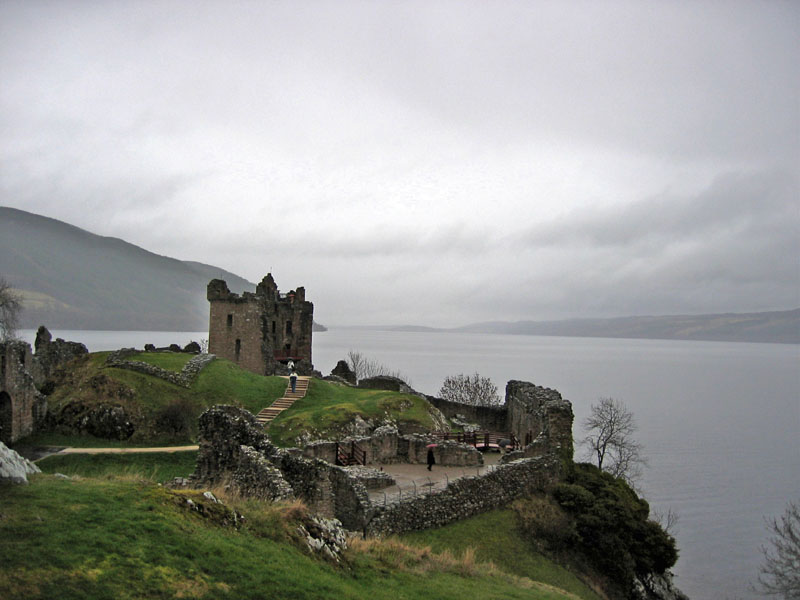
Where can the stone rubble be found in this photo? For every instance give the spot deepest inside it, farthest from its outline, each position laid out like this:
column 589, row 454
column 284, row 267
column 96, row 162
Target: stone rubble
column 13, row 467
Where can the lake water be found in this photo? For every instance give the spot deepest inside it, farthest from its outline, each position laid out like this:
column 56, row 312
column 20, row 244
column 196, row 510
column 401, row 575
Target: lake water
column 720, row 421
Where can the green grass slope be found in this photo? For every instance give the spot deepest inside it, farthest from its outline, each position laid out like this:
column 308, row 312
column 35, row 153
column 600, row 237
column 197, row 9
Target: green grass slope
column 329, row 407
column 496, row 538
column 126, row 538
column 167, row 413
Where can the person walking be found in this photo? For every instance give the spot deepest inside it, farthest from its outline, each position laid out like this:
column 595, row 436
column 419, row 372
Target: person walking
column 431, row 459
column 293, row 380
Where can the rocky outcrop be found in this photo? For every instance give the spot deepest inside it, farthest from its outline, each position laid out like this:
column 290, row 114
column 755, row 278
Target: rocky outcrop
column 343, row 371
column 104, row 420
column 386, row 382
column 13, row 467
column 657, row 587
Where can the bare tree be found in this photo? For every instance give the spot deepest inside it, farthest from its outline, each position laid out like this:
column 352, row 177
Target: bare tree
column 470, row 389
column 10, row 306
column 609, row 439
column 364, row 367
column 780, row 573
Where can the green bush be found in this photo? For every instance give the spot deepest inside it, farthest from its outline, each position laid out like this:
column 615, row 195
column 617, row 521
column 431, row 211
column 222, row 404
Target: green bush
column 545, row 522
column 612, row 527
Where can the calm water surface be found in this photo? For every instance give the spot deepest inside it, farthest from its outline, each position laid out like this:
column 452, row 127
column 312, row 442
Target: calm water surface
column 720, row 422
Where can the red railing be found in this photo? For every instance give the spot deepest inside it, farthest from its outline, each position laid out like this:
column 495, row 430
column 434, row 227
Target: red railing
column 350, row 455
column 480, row 439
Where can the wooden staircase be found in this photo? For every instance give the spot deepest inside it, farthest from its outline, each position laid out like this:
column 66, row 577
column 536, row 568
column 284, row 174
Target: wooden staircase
column 273, row 410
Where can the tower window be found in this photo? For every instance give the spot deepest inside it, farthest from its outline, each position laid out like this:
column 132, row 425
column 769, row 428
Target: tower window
column 238, row 349
column 230, row 320
column 288, row 327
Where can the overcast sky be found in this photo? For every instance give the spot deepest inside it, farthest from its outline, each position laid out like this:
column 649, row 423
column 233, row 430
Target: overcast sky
column 433, row 163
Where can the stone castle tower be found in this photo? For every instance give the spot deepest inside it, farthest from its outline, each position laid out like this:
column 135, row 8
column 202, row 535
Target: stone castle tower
column 261, row 332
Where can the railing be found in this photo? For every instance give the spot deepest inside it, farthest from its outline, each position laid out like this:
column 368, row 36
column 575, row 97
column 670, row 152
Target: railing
column 355, row 456
column 480, row 439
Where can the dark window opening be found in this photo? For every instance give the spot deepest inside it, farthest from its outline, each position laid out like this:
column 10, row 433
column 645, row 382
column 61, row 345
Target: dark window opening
column 273, row 326
column 288, row 327
column 6, row 418
column 230, row 320
column 238, row 349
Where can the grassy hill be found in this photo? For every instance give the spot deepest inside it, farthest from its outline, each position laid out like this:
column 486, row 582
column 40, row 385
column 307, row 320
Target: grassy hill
column 112, row 531
column 167, row 413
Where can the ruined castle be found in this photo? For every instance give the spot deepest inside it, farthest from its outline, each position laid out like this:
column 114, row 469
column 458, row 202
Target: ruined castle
column 261, row 331
column 22, row 374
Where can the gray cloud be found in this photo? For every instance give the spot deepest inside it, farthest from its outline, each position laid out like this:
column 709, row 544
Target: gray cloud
column 516, row 160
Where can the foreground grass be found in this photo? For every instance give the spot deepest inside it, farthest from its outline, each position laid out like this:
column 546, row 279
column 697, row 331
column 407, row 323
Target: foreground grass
column 328, row 407
column 495, row 538
column 156, row 466
column 126, row 538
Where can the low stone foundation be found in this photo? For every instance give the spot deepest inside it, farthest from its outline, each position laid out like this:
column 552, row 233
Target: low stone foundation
column 185, row 378
column 387, row 446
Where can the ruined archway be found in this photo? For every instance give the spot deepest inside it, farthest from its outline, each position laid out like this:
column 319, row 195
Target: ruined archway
column 6, row 418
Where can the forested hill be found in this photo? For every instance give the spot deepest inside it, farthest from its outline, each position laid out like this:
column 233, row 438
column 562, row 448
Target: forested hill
column 73, row 279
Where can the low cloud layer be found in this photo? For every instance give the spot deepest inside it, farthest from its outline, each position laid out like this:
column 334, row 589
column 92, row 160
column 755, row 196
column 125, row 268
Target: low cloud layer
column 416, row 162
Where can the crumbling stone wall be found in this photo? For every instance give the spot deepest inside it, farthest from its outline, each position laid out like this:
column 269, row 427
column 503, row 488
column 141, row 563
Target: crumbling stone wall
column 22, row 406
column 490, row 418
column 260, row 331
column 387, row 445
column 466, row 497
column 52, row 354
column 235, row 450
column 540, row 418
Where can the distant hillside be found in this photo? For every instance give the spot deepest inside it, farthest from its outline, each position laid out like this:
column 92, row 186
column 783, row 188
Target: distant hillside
column 778, row 327
column 73, row 279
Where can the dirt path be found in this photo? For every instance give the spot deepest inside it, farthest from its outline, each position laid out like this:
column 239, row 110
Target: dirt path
column 126, row 450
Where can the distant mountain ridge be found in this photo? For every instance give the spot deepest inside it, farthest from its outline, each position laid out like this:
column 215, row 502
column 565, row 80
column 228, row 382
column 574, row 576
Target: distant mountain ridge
column 73, row 279
column 773, row 327
column 781, row 327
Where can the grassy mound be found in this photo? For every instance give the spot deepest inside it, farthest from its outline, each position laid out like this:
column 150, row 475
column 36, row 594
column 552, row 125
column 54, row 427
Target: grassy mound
column 329, row 407
column 130, row 538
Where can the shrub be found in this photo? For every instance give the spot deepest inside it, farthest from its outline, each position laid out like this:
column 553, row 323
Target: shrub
column 473, row 390
column 612, row 526
column 177, row 419
column 545, row 522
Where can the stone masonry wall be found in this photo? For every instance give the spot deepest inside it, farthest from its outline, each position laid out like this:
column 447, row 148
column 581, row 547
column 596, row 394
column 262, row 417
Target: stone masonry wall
column 540, row 418
column 185, row 378
column 386, row 445
column 22, row 407
column 466, row 497
column 236, row 451
column 261, row 330
column 52, row 354
column 490, row 418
